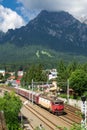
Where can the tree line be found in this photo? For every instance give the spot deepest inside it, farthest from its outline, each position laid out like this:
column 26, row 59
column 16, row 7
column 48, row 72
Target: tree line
column 75, row 72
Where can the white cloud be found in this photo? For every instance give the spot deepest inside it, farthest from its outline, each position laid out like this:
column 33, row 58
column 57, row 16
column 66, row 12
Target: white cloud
column 9, row 19
column 27, row 13
column 30, row 8
column 75, row 7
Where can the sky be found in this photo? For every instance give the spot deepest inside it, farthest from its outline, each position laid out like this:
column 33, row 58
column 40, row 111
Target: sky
column 17, row 13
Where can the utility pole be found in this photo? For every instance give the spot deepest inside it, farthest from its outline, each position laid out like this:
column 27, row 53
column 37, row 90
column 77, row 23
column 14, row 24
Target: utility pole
column 32, row 91
column 29, row 93
column 83, row 122
column 68, row 91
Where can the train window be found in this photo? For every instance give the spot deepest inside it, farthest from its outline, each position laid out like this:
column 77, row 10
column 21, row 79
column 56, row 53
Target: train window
column 61, row 103
column 58, row 103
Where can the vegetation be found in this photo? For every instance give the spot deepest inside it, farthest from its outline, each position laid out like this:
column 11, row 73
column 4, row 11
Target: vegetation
column 74, row 127
column 12, row 56
column 78, row 81
column 77, row 75
column 75, row 72
column 10, row 105
column 35, row 73
column 2, row 79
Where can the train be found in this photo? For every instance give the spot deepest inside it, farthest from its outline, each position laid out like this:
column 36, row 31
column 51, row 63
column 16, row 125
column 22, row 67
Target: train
column 55, row 106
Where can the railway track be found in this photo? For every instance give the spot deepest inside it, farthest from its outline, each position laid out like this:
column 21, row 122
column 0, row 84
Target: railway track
column 63, row 120
column 73, row 113
column 72, row 108
column 53, row 121
column 45, row 120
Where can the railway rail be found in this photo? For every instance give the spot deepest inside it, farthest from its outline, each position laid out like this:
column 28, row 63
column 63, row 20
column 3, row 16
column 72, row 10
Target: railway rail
column 69, row 118
column 72, row 108
column 45, row 120
column 73, row 112
column 55, row 120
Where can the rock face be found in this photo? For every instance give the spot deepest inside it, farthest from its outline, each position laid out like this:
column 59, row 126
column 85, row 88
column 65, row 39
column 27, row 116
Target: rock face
column 56, row 30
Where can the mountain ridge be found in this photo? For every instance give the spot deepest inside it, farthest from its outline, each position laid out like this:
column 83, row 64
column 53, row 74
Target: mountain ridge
column 58, row 31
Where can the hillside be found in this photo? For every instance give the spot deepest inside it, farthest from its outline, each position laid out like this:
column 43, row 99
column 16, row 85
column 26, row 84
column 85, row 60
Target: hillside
column 11, row 54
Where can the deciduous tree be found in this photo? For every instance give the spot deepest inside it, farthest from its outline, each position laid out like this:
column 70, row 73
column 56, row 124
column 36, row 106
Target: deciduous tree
column 78, row 81
column 11, row 104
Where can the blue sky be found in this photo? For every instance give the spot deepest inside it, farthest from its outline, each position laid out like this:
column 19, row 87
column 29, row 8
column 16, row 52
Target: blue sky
column 17, row 13
column 18, row 6
column 14, row 14
column 10, row 4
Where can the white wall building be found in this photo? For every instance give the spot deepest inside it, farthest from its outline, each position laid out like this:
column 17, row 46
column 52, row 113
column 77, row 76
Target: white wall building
column 20, row 73
column 2, row 72
column 52, row 74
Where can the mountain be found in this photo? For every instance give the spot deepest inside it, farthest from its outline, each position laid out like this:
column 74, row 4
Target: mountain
column 83, row 19
column 2, row 34
column 58, row 31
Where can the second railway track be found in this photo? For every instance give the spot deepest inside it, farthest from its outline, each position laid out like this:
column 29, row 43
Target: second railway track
column 52, row 121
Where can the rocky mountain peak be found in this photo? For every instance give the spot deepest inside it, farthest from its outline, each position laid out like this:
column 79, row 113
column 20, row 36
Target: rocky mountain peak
column 56, row 30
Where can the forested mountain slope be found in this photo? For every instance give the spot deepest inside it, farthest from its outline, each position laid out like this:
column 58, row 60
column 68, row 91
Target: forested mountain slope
column 59, row 32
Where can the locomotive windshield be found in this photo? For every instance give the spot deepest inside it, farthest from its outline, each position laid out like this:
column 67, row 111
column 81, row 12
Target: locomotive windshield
column 58, row 103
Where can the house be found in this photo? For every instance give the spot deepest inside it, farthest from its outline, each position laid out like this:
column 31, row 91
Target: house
column 52, row 74
column 2, row 72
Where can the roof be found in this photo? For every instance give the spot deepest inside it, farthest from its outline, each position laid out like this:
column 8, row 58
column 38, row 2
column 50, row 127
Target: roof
column 53, row 99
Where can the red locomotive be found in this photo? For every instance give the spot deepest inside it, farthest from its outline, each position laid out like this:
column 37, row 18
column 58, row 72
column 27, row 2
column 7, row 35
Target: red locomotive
column 55, row 106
